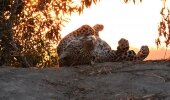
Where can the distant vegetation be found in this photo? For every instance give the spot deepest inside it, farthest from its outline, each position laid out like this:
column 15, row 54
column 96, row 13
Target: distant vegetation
column 30, row 29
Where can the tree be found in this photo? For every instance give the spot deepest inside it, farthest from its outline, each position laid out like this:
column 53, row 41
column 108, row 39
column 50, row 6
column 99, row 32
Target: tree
column 8, row 13
column 29, row 29
column 164, row 25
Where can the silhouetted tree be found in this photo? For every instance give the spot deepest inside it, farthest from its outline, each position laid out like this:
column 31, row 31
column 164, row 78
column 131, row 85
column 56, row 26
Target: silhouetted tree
column 164, row 25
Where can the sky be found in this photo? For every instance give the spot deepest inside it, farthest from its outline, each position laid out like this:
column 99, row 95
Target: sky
column 137, row 23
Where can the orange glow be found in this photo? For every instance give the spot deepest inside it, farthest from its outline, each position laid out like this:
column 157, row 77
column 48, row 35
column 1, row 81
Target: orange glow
column 76, row 2
column 52, row 13
column 137, row 23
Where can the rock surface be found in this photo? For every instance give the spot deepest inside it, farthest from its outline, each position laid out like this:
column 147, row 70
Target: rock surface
column 149, row 80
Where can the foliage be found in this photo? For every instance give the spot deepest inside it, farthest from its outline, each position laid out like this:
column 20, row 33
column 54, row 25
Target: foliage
column 134, row 1
column 30, row 29
column 164, row 25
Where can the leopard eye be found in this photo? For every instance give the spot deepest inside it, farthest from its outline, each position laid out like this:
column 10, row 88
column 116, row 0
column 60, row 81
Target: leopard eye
column 130, row 52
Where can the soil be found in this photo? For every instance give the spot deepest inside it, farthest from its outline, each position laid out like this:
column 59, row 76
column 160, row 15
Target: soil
column 148, row 80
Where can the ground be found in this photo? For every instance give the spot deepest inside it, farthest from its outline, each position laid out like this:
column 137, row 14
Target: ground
column 149, row 80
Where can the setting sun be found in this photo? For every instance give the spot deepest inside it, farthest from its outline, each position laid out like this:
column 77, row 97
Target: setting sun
column 137, row 23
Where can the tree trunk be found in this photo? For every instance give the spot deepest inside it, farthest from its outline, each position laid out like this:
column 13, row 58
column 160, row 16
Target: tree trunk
column 8, row 25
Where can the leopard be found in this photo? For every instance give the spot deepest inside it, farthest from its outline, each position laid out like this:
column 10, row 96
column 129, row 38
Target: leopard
column 121, row 54
column 73, row 48
column 80, row 52
column 124, row 54
column 83, row 31
column 140, row 56
column 122, row 50
column 103, row 51
column 84, row 46
column 143, row 53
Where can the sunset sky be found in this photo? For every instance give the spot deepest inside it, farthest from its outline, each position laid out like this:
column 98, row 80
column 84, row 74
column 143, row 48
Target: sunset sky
column 137, row 23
